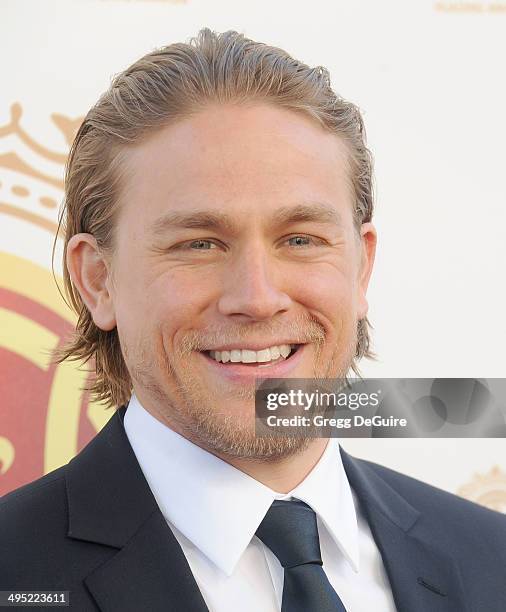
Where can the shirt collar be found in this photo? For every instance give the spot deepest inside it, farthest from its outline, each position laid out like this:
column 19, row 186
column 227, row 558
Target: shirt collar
column 214, row 498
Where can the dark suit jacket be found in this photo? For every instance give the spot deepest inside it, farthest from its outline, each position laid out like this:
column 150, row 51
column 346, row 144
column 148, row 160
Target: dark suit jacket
column 92, row 527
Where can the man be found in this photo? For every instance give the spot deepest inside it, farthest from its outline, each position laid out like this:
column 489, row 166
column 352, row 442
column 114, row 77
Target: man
column 218, row 229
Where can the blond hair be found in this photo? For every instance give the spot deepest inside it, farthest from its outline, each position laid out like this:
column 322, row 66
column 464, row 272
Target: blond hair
column 165, row 85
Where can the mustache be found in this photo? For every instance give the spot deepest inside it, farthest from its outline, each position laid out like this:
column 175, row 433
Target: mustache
column 301, row 330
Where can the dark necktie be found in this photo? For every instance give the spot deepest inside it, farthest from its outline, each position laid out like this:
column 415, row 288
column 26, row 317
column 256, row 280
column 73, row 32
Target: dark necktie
column 289, row 529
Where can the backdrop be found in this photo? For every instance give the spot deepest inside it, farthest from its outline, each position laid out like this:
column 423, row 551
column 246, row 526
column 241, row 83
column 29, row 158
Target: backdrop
column 429, row 78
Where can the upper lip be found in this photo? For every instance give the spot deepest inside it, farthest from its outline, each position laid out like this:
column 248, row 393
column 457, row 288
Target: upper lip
column 254, row 346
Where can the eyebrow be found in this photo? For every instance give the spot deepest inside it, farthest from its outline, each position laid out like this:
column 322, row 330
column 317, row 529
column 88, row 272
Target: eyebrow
column 309, row 212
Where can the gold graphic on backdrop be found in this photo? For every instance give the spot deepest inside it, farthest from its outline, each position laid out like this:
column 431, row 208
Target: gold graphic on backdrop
column 33, row 316
column 12, row 162
column 6, row 454
column 33, row 342
column 459, row 7
column 487, row 489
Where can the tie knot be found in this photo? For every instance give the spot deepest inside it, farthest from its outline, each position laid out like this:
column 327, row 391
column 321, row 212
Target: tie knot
column 289, row 529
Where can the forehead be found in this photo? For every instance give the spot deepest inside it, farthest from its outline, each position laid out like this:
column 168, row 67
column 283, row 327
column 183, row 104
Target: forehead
column 245, row 160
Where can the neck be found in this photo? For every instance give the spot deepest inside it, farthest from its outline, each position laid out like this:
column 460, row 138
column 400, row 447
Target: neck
column 281, row 475
column 284, row 474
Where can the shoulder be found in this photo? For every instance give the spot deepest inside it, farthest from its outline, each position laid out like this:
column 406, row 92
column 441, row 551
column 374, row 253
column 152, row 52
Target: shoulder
column 448, row 517
column 424, row 494
column 33, row 524
column 37, row 552
column 42, row 499
column 34, row 509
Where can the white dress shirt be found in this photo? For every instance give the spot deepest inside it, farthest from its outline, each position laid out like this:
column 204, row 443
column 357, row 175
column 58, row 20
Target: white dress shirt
column 214, row 510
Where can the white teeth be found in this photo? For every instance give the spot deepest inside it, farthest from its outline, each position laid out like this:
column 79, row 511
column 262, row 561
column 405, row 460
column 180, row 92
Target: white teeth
column 249, row 356
column 275, row 354
column 235, row 356
column 284, row 349
column 264, row 355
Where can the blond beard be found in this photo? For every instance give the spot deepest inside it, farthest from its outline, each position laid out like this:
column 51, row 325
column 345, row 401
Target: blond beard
column 226, row 435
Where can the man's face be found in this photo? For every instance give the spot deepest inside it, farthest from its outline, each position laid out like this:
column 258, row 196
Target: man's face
column 236, row 232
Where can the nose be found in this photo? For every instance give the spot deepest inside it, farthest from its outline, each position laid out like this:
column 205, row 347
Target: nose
column 250, row 290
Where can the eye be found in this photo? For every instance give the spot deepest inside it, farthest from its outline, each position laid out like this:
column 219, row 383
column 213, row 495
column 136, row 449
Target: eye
column 199, row 245
column 304, row 241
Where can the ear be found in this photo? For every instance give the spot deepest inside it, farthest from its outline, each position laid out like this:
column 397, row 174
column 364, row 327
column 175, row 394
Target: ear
column 90, row 274
column 368, row 239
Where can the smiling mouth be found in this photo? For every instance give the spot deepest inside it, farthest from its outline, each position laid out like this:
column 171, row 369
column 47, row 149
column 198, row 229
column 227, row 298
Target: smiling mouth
column 245, row 358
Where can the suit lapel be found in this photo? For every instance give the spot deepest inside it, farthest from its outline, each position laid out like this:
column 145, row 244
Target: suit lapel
column 149, row 573
column 110, row 503
column 422, row 577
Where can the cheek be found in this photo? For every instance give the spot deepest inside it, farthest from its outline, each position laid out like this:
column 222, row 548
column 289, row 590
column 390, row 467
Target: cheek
column 331, row 294
column 172, row 305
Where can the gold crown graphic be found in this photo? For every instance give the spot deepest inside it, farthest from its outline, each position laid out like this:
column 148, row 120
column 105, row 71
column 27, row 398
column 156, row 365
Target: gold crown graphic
column 37, row 201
